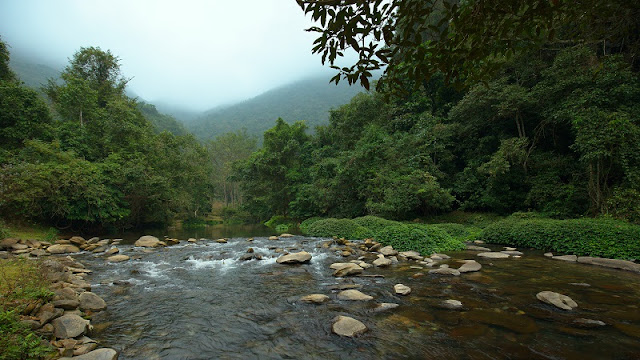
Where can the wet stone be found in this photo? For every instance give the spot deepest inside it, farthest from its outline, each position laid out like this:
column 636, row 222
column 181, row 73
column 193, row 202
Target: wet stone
column 520, row 324
column 353, row 295
column 314, row 299
column 558, row 300
column 347, row 326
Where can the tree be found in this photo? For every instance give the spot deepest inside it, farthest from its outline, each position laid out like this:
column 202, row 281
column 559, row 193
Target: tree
column 467, row 41
column 5, row 71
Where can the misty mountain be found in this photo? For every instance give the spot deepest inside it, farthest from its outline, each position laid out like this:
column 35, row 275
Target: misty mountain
column 35, row 75
column 309, row 99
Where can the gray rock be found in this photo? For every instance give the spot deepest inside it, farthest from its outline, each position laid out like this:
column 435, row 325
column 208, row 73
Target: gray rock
column 353, row 295
column 39, row 252
column 388, row 251
column 314, row 299
column 382, row 262
column 413, row 255
column 92, row 302
column 451, row 304
column 570, row 258
column 445, row 271
column 148, row 241
column 69, row 326
column 611, row 263
column 112, row 251
column 346, row 326
column 470, row 266
column 558, row 300
column 346, row 269
column 401, row 289
column 493, row 255
column 548, row 254
column 384, row 307
column 477, row 248
column 588, row 323
column 294, row 258
column 118, row 258
column 62, row 249
column 66, row 304
column 440, row 256
column 512, row 252
column 100, row 354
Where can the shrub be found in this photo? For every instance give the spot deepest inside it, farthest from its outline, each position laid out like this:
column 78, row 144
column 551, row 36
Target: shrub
column 304, row 226
column 425, row 239
column 279, row 222
column 592, row 237
column 18, row 341
column 339, row 227
column 4, row 232
column 374, row 223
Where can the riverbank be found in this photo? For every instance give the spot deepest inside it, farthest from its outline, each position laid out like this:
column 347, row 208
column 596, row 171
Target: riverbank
column 46, row 303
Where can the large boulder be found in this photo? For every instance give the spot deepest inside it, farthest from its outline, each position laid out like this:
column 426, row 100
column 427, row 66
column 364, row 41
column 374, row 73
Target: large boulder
column 100, row 354
column 346, row 326
column 148, row 241
column 62, row 249
column 353, row 295
column 294, row 258
column 558, row 300
column 92, row 302
column 69, row 326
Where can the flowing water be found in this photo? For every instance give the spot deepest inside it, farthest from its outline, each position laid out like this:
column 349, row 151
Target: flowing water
column 198, row 301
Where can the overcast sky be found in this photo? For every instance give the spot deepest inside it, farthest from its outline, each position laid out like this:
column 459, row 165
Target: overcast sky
column 195, row 53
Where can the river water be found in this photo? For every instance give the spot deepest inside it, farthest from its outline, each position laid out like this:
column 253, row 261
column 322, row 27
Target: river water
column 198, row 301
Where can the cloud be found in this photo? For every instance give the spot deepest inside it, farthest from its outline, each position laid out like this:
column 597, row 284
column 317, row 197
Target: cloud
column 197, row 54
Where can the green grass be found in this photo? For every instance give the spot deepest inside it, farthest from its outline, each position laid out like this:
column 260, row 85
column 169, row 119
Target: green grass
column 22, row 231
column 21, row 283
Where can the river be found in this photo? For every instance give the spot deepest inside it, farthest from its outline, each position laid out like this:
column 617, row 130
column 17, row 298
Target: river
column 198, row 301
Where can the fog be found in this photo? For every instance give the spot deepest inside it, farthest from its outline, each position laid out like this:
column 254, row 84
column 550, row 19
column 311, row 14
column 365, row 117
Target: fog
column 191, row 53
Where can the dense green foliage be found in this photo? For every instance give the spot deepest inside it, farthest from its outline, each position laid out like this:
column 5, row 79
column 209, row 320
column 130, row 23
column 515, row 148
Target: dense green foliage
column 161, row 122
column 468, row 41
column 423, row 238
column 95, row 161
column 591, row 237
column 555, row 131
column 18, row 341
column 307, row 100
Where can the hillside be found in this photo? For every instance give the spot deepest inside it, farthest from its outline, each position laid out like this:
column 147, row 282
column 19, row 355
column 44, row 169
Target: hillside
column 309, row 99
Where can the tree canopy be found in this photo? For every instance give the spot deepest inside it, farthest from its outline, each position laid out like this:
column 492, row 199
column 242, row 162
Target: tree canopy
column 467, row 41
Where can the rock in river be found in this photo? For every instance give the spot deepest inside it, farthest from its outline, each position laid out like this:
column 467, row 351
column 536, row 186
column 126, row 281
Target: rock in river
column 62, row 249
column 346, row 269
column 294, row 258
column 353, row 295
column 401, row 289
column 346, row 326
column 493, row 255
column 148, row 241
column 382, row 262
column 388, row 251
column 470, row 266
column 314, row 299
column 118, row 258
column 558, row 300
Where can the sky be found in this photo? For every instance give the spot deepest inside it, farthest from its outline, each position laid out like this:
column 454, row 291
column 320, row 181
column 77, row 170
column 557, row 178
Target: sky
column 196, row 54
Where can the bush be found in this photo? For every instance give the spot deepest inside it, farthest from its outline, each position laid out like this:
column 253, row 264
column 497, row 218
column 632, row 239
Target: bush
column 4, row 232
column 339, row 227
column 304, row 226
column 280, row 223
column 374, row 223
column 590, row 237
column 426, row 239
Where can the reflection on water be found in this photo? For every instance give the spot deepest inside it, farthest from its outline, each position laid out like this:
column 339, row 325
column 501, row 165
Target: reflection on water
column 198, row 301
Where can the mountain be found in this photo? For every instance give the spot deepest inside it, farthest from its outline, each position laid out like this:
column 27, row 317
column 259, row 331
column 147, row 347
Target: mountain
column 34, row 75
column 309, row 99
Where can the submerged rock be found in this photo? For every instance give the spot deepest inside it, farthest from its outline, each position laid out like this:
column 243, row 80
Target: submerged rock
column 451, row 304
column 558, row 300
column 385, row 306
column 493, row 255
column 588, row 323
column 118, row 258
column 294, row 258
column 346, row 326
column 353, row 295
column 521, row 324
column 314, row 299
column 570, row 258
column 445, row 271
column 612, row 263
